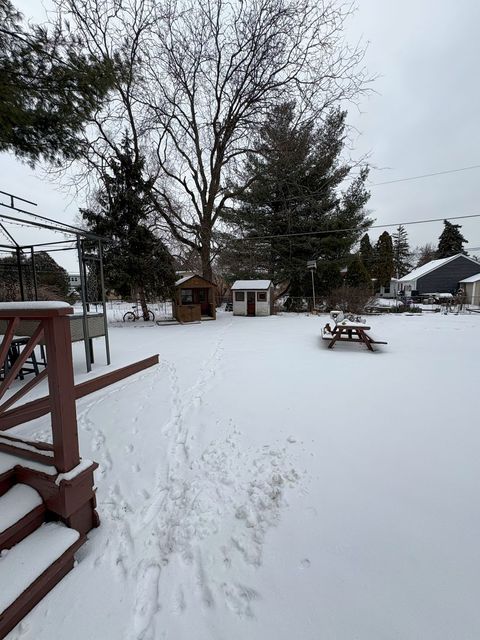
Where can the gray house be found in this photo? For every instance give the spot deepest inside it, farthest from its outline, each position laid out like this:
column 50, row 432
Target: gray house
column 439, row 276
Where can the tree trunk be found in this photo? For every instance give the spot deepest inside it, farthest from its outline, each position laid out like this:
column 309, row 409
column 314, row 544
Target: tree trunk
column 205, row 255
column 143, row 303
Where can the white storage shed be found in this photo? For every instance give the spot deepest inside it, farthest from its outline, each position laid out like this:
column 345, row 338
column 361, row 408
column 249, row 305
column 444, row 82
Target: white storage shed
column 252, row 297
column 471, row 286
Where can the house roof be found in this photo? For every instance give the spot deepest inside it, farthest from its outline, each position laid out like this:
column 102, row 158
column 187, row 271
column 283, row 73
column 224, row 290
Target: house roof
column 430, row 266
column 474, row 278
column 251, row 285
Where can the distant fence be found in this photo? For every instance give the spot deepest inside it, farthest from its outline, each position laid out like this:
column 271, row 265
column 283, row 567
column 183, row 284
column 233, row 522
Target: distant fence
column 297, row 304
column 116, row 309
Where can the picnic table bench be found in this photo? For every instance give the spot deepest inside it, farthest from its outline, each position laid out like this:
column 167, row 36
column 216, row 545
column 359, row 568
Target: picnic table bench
column 345, row 330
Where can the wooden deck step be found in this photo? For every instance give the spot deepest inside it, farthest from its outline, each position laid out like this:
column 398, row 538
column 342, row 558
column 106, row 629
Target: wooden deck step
column 22, row 510
column 8, row 462
column 32, row 568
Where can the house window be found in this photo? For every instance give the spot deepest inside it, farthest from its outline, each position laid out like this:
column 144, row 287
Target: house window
column 261, row 296
column 239, row 296
column 186, row 296
column 386, row 289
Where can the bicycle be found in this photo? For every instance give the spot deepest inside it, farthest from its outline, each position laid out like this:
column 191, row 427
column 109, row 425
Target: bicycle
column 132, row 316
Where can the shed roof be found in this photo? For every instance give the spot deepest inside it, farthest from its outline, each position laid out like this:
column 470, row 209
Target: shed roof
column 474, row 278
column 251, row 285
column 431, row 266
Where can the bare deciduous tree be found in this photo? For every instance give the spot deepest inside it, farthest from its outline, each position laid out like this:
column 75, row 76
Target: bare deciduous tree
column 199, row 77
column 425, row 253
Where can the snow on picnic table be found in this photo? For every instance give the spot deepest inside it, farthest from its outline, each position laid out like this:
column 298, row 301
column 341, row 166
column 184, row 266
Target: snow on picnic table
column 256, row 485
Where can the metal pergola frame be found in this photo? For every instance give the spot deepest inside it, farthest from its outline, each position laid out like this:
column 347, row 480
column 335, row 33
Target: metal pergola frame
column 87, row 245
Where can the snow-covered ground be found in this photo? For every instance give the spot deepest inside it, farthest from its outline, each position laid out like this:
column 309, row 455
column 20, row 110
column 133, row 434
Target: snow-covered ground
column 256, row 486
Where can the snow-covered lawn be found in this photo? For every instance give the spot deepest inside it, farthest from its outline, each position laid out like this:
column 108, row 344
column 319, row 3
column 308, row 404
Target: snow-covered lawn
column 255, row 486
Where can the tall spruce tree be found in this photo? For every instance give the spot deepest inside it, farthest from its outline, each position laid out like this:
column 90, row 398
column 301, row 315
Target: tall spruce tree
column 451, row 241
column 402, row 257
column 48, row 90
column 384, row 262
column 367, row 253
column 296, row 174
column 137, row 263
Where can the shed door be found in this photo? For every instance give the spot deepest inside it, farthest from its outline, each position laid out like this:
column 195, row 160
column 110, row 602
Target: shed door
column 203, row 301
column 250, row 303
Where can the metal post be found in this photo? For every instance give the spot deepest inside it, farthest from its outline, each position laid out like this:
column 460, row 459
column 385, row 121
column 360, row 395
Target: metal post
column 104, row 302
column 88, row 355
column 312, row 265
column 313, row 289
column 20, row 274
column 34, row 272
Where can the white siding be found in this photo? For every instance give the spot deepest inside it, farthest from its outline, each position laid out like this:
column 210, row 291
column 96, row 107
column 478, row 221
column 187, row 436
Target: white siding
column 472, row 292
column 262, row 308
column 393, row 289
column 240, row 308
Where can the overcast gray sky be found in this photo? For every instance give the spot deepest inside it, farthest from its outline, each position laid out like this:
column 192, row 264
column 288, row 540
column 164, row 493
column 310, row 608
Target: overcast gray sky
column 422, row 118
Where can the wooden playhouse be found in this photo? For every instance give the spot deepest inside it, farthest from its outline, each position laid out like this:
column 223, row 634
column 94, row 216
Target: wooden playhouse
column 194, row 299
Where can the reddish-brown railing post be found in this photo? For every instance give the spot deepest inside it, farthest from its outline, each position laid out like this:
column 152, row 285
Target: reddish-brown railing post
column 62, row 392
column 50, row 321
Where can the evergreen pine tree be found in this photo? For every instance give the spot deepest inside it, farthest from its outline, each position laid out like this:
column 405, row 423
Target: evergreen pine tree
column 451, row 241
column 367, row 253
column 48, row 90
column 296, row 174
column 357, row 275
column 136, row 262
column 401, row 252
column 384, row 264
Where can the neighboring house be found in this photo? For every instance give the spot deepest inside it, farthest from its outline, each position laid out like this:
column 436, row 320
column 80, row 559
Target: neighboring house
column 471, row 287
column 74, row 280
column 74, row 283
column 439, row 276
column 252, row 298
column 194, row 299
column 391, row 290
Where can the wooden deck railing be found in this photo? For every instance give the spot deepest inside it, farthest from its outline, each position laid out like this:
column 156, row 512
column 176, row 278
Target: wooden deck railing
column 54, row 330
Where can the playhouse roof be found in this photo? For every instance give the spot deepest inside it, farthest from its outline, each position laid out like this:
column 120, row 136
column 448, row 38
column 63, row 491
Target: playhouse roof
column 190, row 276
column 251, row 285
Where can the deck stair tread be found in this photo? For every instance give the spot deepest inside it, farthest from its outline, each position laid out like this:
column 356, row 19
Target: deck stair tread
column 16, row 503
column 9, row 461
column 30, row 558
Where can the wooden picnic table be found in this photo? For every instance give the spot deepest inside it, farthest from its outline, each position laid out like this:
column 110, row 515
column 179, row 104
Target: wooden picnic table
column 348, row 331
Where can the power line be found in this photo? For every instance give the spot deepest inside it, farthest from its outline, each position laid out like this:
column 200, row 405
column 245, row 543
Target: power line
column 375, row 226
column 427, row 175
